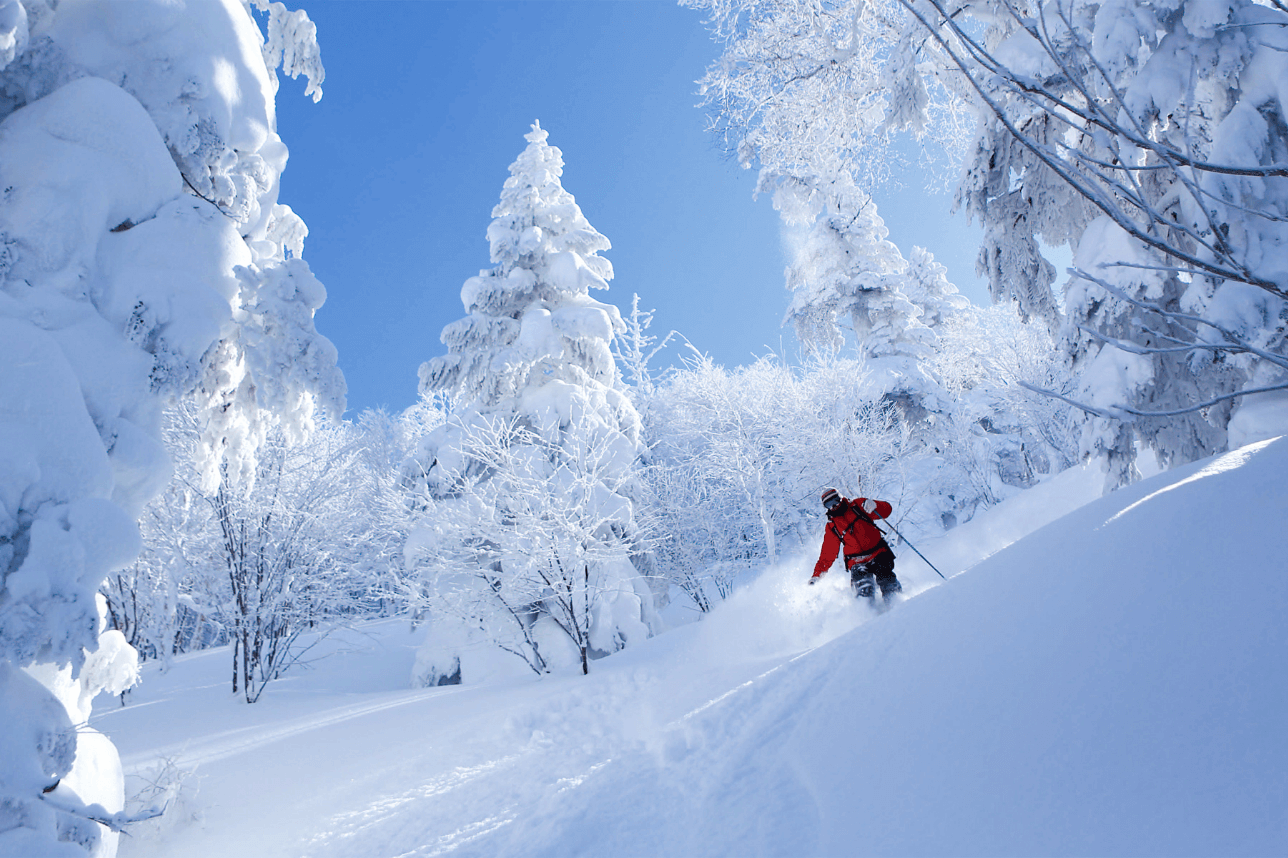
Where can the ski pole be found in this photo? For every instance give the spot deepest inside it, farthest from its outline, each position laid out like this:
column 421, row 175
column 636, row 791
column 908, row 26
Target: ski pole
column 905, row 541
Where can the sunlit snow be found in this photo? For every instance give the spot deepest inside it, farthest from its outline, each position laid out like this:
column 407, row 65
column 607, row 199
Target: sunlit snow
column 1110, row 683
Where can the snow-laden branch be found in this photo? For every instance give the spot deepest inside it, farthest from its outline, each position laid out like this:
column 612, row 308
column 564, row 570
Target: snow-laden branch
column 1233, row 342
column 1126, row 413
column 118, row 822
column 1087, row 189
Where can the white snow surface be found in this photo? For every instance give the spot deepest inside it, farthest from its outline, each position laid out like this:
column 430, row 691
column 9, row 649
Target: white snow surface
column 1111, row 683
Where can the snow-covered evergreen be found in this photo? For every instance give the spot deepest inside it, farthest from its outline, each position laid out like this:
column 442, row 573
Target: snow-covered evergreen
column 540, row 408
column 846, row 281
column 143, row 256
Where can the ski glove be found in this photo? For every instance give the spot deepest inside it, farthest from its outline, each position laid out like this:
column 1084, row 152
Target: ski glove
column 813, row 581
column 869, row 506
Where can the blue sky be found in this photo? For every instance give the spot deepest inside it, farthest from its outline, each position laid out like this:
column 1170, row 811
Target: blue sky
column 426, row 103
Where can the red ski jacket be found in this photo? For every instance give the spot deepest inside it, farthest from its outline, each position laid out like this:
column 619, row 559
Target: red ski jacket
column 861, row 538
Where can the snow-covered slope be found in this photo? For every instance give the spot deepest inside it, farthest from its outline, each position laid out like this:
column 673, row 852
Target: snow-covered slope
column 1111, row 684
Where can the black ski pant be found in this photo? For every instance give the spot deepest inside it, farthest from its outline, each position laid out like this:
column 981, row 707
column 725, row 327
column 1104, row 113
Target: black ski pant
column 879, row 569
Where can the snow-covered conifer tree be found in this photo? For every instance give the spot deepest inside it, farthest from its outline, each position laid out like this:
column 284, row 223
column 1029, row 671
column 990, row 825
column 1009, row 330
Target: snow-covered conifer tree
column 143, row 255
column 927, row 286
column 538, row 399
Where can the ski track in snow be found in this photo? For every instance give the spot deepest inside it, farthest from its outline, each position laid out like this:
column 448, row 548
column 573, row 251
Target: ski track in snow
column 246, row 739
column 459, row 812
column 602, row 734
column 351, row 827
column 463, row 786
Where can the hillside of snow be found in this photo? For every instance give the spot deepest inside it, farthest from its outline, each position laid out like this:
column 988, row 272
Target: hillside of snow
column 1112, row 683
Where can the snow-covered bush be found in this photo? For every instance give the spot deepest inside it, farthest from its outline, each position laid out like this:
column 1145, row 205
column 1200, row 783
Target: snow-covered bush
column 527, row 489
column 999, row 436
column 143, row 255
column 739, row 457
column 315, row 541
column 165, row 785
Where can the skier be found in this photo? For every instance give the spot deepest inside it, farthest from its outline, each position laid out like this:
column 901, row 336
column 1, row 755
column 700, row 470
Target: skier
column 867, row 556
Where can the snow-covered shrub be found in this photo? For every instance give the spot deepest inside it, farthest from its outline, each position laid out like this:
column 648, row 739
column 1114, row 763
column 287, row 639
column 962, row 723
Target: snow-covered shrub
column 999, row 436
column 316, row 540
column 528, row 486
column 739, row 457
column 139, row 167
column 529, row 547
column 165, row 786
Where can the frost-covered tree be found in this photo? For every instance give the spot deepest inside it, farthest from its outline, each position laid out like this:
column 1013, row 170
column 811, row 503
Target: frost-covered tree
column 851, row 285
column 785, row 90
column 1000, row 436
column 315, row 542
column 743, row 432
column 300, row 552
column 738, row 458
column 805, row 87
column 635, row 348
column 528, row 555
column 1146, row 136
column 124, row 283
column 841, row 263
column 533, row 357
column 927, row 286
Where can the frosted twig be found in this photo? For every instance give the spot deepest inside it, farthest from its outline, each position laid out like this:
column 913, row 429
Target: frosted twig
column 1116, row 412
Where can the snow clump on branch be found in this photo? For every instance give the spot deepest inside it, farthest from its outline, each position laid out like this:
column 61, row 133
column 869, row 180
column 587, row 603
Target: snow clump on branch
column 143, row 257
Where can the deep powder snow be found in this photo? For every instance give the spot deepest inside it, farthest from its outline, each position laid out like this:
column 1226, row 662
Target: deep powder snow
column 1110, row 684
